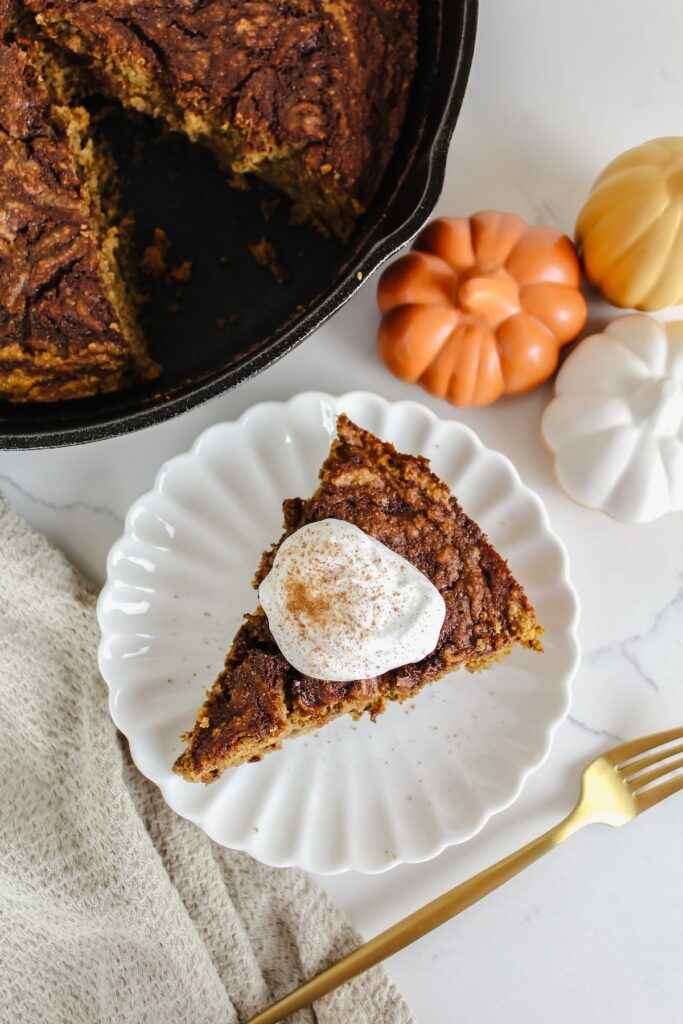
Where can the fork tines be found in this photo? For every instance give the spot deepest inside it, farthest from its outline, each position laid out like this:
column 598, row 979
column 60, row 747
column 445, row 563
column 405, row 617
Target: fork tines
column 663, row 756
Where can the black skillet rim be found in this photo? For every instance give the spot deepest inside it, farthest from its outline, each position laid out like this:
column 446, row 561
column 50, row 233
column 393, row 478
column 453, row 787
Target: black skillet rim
column 198, row 392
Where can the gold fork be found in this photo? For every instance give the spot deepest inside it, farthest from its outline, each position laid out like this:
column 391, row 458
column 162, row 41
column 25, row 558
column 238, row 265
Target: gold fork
column 615, row 788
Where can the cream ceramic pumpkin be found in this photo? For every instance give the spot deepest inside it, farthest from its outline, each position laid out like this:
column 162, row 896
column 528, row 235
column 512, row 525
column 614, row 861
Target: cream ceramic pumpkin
column 616, row 421
column 630, row 230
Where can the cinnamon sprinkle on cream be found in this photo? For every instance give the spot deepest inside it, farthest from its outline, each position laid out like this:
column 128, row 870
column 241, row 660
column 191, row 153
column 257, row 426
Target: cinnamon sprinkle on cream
column 343, row 606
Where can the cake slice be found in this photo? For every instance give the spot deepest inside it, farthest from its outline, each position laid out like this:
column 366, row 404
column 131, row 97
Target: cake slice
column 67, row 319
column 259, row 699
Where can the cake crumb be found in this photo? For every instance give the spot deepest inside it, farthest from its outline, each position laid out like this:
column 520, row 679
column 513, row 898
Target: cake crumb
column 268, row 208
column 227, row 321
column 265, row 254
column 153, row 259
column 181, row 273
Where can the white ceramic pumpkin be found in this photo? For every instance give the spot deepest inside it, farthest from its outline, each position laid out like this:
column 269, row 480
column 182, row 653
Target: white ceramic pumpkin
column 616, row 421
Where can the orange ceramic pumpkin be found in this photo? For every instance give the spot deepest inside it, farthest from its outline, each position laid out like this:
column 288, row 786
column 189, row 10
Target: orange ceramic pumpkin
column 480, row 307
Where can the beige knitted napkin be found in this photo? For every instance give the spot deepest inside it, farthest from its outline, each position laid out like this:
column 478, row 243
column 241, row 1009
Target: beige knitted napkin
column 112, row 908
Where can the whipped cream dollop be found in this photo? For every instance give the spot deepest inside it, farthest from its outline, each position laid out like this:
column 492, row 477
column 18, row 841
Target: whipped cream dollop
column 341, row 605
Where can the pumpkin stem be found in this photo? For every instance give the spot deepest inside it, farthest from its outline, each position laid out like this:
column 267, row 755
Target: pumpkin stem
column 657, row 404
column 494, row 297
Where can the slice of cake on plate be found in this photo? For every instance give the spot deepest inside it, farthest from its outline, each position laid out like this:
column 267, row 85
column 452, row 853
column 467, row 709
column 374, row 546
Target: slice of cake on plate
column 448, row 595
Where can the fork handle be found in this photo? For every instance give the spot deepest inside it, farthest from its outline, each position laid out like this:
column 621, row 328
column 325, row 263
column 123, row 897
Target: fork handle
column 419, row 923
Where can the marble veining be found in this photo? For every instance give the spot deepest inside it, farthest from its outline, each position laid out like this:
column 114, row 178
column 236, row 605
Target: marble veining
column 13, row 489
column 602, row 733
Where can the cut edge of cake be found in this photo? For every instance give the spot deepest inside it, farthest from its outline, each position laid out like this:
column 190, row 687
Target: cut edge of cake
column 116, row 356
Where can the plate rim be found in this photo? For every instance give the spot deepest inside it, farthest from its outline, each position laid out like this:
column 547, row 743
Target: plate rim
column 570, row 633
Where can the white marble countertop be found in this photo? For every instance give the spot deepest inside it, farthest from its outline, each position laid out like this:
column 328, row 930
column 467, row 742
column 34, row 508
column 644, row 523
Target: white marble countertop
column 594, row 932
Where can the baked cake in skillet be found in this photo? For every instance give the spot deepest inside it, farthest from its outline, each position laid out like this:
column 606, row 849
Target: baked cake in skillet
column 307, row 95
column 259, row 699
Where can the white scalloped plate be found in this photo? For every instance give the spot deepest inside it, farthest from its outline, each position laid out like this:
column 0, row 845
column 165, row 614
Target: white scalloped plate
column 356, row 795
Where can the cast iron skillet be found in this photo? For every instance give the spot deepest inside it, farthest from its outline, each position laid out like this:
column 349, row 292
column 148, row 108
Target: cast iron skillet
column 233, row 318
